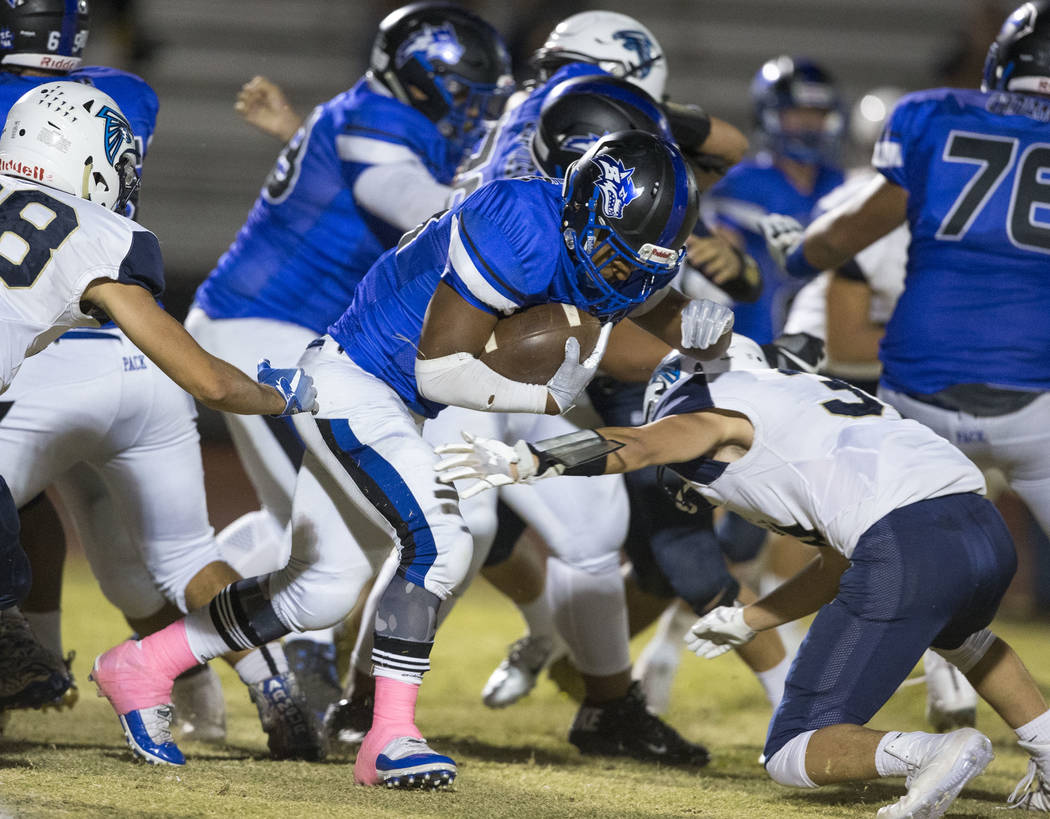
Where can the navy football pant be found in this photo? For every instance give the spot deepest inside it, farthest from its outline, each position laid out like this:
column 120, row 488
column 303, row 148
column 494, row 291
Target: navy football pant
column 15, row 576
column 931, row 573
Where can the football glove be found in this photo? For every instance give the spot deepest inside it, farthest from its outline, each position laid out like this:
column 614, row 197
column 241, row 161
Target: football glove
column 572, row 376
column 718, row 631
column 294, row 385
column 704, row 322
column 492, row 463
column 782, row 234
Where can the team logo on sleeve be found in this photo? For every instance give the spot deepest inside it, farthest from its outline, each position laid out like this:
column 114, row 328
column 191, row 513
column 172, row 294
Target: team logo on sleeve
column 118, row 131
column 642, row 46
column 432, row 42
column 618, row 191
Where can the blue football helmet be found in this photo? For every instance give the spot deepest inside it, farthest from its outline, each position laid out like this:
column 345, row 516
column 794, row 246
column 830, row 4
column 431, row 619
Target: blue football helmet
column 630, row 203
column 1019, row 59
column 577, row 112
column 48, row 35
column 447, row 63
column 785, row 83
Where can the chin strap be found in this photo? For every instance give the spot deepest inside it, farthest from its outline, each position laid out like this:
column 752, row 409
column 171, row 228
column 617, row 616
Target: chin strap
column 577, row 453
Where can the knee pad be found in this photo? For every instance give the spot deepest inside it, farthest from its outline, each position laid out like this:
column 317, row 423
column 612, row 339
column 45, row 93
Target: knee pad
column 787, row 766
column 971, row 652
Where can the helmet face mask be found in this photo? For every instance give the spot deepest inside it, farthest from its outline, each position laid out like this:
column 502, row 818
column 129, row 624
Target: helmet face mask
column 1019, row 59
column 49, row 35
column 74, row 138
column 798, row 110
column 614, row 42
column 447, row 63
column 630, row 203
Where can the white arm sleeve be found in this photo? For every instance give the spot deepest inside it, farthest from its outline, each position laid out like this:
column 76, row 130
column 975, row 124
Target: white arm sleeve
column 402, row 194
column 462, row 380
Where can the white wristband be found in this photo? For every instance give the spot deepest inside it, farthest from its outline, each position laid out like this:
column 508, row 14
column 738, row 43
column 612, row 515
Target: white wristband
column 462, row 380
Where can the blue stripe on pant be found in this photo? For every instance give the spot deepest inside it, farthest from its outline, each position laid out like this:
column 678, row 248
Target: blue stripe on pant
column 383, row 486
column 15, row 574
column 931, row 573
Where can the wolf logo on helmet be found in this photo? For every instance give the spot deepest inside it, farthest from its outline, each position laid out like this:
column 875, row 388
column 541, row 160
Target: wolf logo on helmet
column 432, row 42
column 641, row 45
column 617, row 189
column 118, row 132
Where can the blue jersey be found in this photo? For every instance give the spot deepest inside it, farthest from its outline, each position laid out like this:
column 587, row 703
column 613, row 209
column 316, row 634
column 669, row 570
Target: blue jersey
column 133, row 94
column 976, row 301
column 749, row 191
column 306, row 243
column 492, row 256
column 505, row 151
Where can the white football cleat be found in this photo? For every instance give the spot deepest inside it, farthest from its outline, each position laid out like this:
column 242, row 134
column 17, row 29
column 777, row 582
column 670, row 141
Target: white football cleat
column 1033, row 791
column 951, row 702
column 516, row 675
column 937, row 778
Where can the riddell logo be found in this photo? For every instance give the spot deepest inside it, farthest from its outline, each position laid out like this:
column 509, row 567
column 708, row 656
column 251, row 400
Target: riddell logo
column 59, row 63
column 21, row 169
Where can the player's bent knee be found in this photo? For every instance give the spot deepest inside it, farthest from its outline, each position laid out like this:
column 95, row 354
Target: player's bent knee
column 971, row 652
column 787, row 766
column 450, row 568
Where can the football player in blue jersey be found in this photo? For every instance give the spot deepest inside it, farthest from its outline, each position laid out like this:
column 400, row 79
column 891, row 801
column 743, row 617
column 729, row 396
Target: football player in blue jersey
column 608, row 240
column 362, row 169
column 964, row 169
column 586, row 555
column 799, row 126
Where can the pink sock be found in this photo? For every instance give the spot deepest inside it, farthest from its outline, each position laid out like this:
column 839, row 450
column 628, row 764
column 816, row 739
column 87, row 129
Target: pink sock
column 394, row 715
column 139, row 674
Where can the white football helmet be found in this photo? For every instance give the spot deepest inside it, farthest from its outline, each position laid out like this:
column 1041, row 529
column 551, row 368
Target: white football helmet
column 614, row 42
column 74, row 138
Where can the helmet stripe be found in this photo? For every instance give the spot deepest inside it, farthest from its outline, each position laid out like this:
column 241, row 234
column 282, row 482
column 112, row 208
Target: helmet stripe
column 681, row 200
column 69, row 28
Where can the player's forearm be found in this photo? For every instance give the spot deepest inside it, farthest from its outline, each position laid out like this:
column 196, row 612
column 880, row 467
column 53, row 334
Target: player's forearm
column 462, row 380
column 814, row 586
column 227, row 389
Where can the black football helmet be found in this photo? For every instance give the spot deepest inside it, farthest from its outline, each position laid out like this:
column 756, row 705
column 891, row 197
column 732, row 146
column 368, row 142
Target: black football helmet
column 797, row 82
column 631, row 199
column 578, row 112
column 447, row 63
column 1019, row 59
column 49, row 35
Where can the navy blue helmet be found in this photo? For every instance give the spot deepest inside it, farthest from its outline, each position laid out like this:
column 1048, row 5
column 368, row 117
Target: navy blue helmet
column 1019, row 59
column 630, row 202
column 785, row 83
column 45, row 34
column 578, row 112
column 447, row 63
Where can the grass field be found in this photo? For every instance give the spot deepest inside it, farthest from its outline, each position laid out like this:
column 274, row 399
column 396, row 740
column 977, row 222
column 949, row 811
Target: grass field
column 513, row 763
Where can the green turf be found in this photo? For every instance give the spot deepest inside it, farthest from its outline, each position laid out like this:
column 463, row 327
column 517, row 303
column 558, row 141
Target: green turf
column 512, row 763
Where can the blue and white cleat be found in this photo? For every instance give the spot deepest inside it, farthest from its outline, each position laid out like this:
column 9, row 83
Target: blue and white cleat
column 409, row 763
column 148, row 734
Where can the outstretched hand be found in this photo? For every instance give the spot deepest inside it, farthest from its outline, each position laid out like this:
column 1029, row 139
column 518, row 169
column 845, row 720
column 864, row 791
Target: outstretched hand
column 262, row 103
column 492, row 463
column 293, row 385
column 718, row 631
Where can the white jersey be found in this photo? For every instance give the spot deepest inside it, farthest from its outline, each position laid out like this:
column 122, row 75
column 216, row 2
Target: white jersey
column 883, row 265
column 827, row 460
column 52, row 246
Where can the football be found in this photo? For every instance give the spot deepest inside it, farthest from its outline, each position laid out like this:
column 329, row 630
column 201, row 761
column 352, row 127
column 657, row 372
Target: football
column 529, row 346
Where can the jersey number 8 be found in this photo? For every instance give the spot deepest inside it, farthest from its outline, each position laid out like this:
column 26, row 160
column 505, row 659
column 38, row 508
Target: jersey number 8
column 33, row 226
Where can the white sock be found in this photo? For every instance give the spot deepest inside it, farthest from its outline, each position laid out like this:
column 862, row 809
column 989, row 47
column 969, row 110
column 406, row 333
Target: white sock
column 773, row 679
column 261, row 664
column 538, row 617
column 900, row 752
column 204, row 640
column 47, row 628
column 1038, row 730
